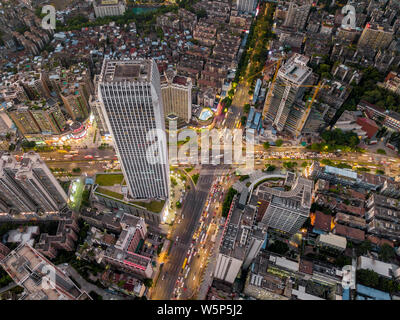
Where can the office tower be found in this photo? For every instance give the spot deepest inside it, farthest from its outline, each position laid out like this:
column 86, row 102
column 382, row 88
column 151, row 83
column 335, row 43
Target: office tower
column 177, row 95
column 29, row 186
column 376, row 36
column 287, row 210
column 248, row 6
column 286, row 90
column 40, row 279
column 297, row 15
column 131, row 102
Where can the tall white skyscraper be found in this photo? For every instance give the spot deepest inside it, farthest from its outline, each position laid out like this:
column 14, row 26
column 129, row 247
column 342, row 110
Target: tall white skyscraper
column 130, row 96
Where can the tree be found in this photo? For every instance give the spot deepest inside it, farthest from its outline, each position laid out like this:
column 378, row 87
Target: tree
column 227, row 202
column 304, row 164
column 271, row 168
column 201, row 14
column 148, row 282
column 386, row 253
column 178, row 204
column 364, row 248
column 246, row 108
column 279, row 247
column 342, row 261
column 28, row 144
column 173, row 181
column 195, row 177
column 279, row 142
column 266, row 145
column 76, row 170
column 243, row 120
column 381, row 151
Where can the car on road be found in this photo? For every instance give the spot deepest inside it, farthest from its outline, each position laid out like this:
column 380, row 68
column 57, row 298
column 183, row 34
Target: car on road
column 177, row 238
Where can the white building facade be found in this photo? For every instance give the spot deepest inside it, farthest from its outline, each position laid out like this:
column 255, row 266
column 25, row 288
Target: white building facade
column 131, row 102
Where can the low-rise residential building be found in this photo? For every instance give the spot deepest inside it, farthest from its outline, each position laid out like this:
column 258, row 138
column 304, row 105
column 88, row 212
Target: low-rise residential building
column 332, row 241
column 130, row 254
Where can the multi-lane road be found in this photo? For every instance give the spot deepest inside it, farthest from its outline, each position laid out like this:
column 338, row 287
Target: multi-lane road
column 182, row 235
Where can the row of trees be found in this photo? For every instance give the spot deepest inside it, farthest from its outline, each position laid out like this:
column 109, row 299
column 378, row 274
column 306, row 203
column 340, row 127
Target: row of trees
column 371, row 279
column 227, row 202
column 258, row 46
column 337, row 139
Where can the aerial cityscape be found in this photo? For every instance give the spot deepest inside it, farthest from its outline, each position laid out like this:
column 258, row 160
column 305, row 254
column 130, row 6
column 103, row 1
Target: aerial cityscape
column 225, row 150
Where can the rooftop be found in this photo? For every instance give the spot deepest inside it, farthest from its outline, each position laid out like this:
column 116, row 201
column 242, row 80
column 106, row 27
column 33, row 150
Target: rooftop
column 126, row 70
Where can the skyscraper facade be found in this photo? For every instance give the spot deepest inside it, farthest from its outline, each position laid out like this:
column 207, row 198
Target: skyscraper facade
column 376, row 36
column 177, row 95
column 248, row 6
column 287, row 210
column 296, row 17
column 286, row 90
column 29, row 186
column 131, row 102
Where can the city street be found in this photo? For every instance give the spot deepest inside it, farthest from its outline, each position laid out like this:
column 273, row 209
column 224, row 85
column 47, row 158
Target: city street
column 182, row 235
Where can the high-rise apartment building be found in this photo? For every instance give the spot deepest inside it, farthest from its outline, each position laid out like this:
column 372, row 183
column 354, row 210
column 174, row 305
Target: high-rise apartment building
column 35, row 85
column 286, row 90
column 23, row 120
column 131, row 102
column 248, row 6
column 177, row 95
column 287, row 210
column 242, row 241
column 38, row 181
column 76, row 102
column 37, row 117
column 29, row 186
column 105, row 8
column 73, row 86
column 13, row 197
column 40, row 279
column 297, row 15
column 376, row 36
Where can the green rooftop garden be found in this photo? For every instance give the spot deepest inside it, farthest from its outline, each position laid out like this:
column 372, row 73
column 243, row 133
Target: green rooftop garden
column 154, row 206
column 109, row 179
column 110, row 193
